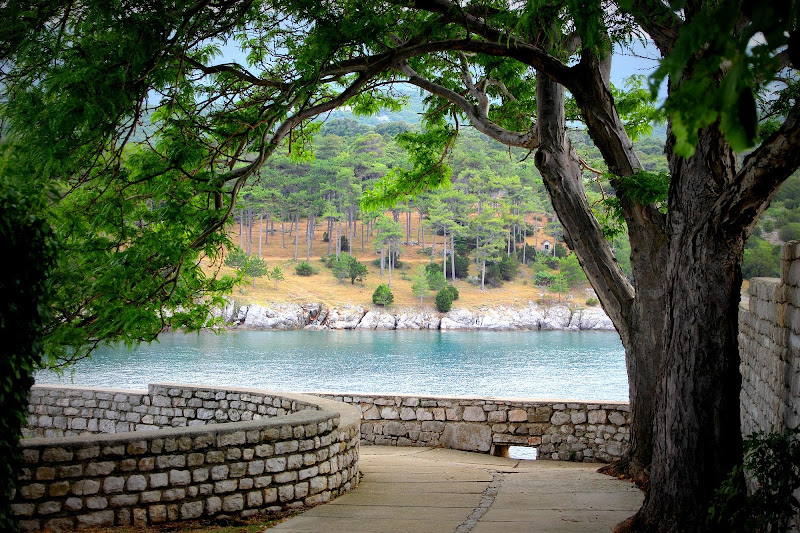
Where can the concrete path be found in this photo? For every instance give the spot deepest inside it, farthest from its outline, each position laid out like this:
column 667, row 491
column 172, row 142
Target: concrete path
column 425, row 490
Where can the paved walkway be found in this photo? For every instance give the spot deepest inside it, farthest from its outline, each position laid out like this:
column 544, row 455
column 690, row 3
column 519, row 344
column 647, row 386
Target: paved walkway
column 425, row 490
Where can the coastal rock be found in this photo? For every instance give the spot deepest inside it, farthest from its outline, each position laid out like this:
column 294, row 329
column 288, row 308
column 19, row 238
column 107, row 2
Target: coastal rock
column 591, row 319
column 226, row 312
column 497, row 319
column 281, row 316
column 556, row 317
column 377, row 319
column 417, row 320
column 530, row 317
column 458, row 319
column 346, row 317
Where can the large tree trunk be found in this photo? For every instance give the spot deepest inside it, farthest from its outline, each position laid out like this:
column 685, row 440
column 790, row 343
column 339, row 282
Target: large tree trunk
column 697, row 435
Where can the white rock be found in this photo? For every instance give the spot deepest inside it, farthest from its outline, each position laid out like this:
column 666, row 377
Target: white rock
column 458, row 319
column 280, row 316
column 497, row 319
column 377, row 319
column 530, row 317
column 410, row 319
column 595, row 318
column 346, row 317
column 556, row 317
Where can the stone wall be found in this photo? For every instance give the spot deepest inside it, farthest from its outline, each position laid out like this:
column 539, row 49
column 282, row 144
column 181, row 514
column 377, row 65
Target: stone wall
column 285, row 451
column 560, row 430
column 769, row 345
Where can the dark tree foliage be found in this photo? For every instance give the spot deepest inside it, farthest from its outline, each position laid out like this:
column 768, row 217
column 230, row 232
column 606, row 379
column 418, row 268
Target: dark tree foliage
column 444, row 300
column 27, row 242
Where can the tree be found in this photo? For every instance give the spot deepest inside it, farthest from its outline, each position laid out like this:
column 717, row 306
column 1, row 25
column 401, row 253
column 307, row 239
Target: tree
column 419, row 285
column 356, row 270
column 276, row 275
column 559, row 286
column 140, row 219
column 255, row 267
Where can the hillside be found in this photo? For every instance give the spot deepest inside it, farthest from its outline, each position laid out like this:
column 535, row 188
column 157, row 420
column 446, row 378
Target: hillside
column 325, row 288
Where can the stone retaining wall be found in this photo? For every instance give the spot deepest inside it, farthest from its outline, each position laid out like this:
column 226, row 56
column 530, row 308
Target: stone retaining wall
column 560, row 430
column 286, row 451
column 769, row 345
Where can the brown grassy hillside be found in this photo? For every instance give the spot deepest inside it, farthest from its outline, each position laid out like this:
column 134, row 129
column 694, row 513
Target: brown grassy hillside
column 323, row 287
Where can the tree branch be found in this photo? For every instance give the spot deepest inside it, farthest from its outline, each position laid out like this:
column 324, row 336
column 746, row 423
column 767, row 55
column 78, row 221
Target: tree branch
column 478, row 119
column 762, row 173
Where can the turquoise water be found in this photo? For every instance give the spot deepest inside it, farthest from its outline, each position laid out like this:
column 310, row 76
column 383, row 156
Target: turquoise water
column 522, row 364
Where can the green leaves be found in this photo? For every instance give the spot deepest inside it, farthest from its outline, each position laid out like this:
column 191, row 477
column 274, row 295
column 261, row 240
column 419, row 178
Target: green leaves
column 427, row 152
column 718, row 67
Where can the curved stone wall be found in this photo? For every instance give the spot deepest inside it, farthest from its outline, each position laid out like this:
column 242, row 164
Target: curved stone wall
column 114, row 458
column 558, row 429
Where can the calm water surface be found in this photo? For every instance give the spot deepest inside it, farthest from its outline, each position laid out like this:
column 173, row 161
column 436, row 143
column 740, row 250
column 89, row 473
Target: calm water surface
column 527, row 364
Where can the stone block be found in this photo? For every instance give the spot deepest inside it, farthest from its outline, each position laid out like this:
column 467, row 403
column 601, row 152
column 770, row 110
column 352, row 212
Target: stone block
column 560, row 418
column 136, row 483
column 59, row 488
column 113, row 484
column 468, row 437
column 213, row 505
column 96, row 502
column 49, row 507
column 474, row 413
column 179, row 477
column 233, row 503
column 157, row 513
column 98, row 519
column 578, row 417
column 517, row 415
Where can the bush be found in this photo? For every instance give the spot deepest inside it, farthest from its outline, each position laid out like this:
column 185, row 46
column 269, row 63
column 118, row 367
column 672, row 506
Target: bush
column 790, row 232
column 462, row 266
column 551, row 262
column 436, row 279
column 592, row 302
column 543, row 279
column 444, row 300
column 304, row 268
column 325, row 237
column 344, row 244
column 772, row 461
column 508, row 268
column 328, row 260
column 453, row 290
column 382, row 295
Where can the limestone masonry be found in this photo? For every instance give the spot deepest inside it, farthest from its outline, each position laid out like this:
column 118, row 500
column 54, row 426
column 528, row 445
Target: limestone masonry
column 769, row 344
column 560, row 430
column 178, row 452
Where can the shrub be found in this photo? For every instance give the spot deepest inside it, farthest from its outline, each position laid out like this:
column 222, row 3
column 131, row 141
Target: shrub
column 304, row 268
column 444, row 300
column 344, row 244
column 772, row 461
column 450, row 287
column 508, row 268
column 325, row 237
column 591, row 302
column 462, row 266
column 790, row 232
column 572, row 271
column 382, row 295
column 435, row 279
column 543, row 279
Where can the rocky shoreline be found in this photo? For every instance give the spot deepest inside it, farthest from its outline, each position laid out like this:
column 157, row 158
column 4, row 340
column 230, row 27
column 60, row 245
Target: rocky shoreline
column 316, row 316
